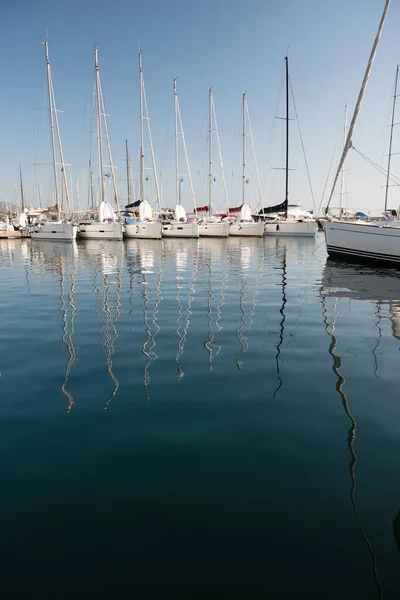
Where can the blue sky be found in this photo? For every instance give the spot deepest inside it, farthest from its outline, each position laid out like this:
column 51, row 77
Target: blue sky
column 234, row 46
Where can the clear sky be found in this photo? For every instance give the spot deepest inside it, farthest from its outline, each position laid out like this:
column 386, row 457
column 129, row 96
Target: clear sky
column 234, row 46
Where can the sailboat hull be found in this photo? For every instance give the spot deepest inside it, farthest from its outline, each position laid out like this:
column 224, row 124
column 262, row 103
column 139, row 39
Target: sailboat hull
column 247, row 229
column 364, row 242
column 54, row 231
column 143, row 230
column 210, row 229
column 292, row 228
column 100, row 231
column 180, row 230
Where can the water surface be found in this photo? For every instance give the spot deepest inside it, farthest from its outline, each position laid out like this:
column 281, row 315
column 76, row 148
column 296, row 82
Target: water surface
column 198, row 419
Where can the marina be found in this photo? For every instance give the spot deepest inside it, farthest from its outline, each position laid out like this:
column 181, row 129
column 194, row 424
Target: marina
column 200, row 316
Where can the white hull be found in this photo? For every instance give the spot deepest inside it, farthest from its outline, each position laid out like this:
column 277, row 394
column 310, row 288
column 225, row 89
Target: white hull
column 100, row 231
column 247, row 229
column 300, row 228
column 179, row 230
column 54, row 231
column 375, row 242
column 211, row 229
column 143, row 230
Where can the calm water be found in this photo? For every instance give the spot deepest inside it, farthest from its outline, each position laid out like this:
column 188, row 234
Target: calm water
column 198, row 419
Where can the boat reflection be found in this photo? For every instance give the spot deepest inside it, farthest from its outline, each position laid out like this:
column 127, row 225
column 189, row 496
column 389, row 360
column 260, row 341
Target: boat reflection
column 380, row 286
column 59, row 258
column 105, row 258
column 344, row 281
column 182, row 282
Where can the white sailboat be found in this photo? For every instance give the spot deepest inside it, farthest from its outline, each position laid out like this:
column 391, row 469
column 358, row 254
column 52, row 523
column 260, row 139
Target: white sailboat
column 372, row 241
column 61, row 229
column 177, row 224
column 289, row 219
column 213, row 226
column 107, row 226
column 245, row 225
column 148, row 225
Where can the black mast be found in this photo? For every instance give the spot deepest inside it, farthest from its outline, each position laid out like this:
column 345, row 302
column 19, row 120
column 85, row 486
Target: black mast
column 287, row 138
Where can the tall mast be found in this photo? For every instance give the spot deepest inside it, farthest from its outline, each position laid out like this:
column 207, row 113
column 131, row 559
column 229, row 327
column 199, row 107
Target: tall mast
column 98, row 116
column 287, row 139
column 349, row 139
column 391, row 137
column 210, row 150
column 53, row 146
column 128, row 171
column 220, row 155
column 176, row 145
column 342, row 178
column 22, row 188
column 141, row 163
column 153, row 160
column 244, row 150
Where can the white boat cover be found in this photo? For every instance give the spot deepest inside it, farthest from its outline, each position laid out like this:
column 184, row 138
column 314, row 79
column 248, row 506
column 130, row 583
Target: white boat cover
column 180, row 213
column 145, row 212
column 106, row 212
column 245, row 213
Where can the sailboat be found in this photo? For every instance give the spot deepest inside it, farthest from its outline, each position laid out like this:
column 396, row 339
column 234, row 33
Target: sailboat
column 177, row 225
column 377, row 241
column 107, row 226
column 61, row 229
column 244, row 224
column 213, row 226
column 147, row 225
column 285, row 218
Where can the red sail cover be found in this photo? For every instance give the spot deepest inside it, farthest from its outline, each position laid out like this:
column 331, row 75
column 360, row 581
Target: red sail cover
column 202, row 208
column 233, row 209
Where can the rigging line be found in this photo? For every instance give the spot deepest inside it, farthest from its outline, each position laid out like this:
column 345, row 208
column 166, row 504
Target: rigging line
column 272, row 133
column 351, row 436
column 167, row 135
column 329, row 173
column 302, row 143
column 383, row 171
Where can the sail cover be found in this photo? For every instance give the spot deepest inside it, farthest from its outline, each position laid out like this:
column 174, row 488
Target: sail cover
column 273, row 209
column 106, row 212
column 180, row 213
column 145, row 213
column 233, row 209
column 133, row 204
column 202, row 208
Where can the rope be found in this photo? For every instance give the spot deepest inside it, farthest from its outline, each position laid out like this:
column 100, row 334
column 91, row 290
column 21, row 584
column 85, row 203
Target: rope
column 302, row 144
column 393, row 178
column 328, row 175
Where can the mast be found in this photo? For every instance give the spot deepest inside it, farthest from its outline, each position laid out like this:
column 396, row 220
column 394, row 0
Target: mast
column 210, row 150
column 153, row 160
column 220, row 156
column 22, row 188
column 244, row 150
column 287, row 139
column 342, row 179
column 349, row 139
column 141, row 163
column 128, row 172
column 51, row 109
column 391, row 137
column 254, row 157
column 176, row 145
column 98, row 117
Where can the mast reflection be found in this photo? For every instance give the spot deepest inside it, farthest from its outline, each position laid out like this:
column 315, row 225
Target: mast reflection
column 330, row 328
